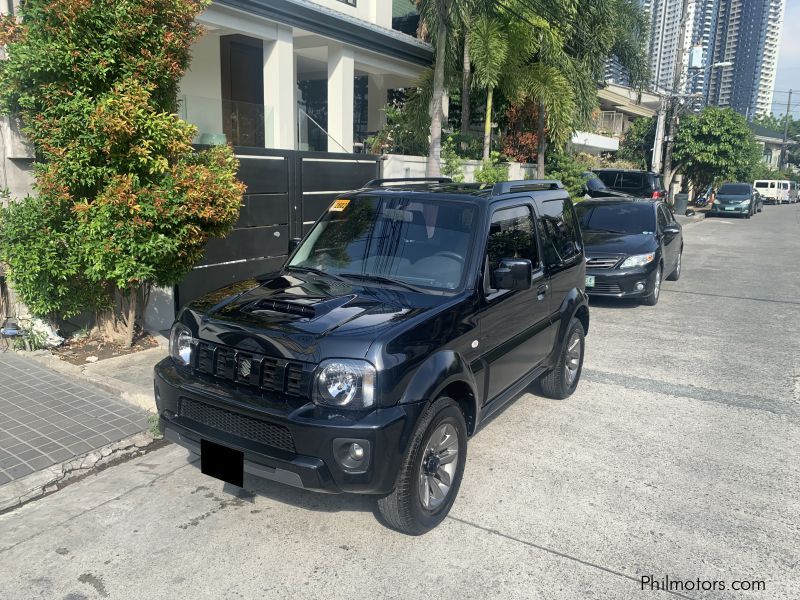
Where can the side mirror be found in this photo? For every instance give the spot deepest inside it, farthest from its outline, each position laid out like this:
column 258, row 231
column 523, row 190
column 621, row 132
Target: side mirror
column 294, row 243
column 513, row 274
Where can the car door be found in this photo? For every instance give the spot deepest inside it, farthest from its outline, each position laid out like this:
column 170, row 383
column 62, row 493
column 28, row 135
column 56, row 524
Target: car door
column 670, row 242
column 512, row 322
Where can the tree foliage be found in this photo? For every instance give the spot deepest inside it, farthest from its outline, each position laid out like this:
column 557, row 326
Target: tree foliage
column 123, row 200
column 637, row 146
column 716, row 145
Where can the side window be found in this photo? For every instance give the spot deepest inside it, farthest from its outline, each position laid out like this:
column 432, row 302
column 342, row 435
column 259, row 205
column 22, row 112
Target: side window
column 663, row 220
column 631, row 180
column 560, row 234
column 512, row 234
column 608, row 177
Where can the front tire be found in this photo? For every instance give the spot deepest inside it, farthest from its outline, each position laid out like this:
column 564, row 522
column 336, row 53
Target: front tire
column 430, row 475
column 562, row 380
column 676, row 274
column 655, row 289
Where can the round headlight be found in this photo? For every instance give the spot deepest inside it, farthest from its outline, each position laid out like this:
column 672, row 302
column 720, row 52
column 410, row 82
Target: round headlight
column 346, row 384
column 180, row 344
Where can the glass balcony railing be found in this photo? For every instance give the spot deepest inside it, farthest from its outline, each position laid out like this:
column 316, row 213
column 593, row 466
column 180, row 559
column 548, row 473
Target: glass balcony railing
column 229, row 121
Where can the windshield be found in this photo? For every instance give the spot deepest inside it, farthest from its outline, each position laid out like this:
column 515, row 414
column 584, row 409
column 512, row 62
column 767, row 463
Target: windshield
column 408, row 241
column 734, row 189
column 628, row 218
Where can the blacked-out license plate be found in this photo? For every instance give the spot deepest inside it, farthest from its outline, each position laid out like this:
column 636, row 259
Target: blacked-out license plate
column 222, row 462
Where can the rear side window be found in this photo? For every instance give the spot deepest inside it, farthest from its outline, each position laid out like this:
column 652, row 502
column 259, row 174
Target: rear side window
column 762, row 184
column 561, row 239
column 608, row 177
column 632, row 180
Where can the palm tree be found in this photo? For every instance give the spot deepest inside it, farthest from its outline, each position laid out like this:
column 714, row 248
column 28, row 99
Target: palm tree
column 435, row 16
column 489, row 50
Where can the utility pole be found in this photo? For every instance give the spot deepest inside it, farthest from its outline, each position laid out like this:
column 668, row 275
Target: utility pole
column 658, row 145
column 676, row 84
column 782, row 161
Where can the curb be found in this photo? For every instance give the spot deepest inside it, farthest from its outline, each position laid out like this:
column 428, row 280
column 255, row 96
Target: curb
column 18, row 492
column 140, row 396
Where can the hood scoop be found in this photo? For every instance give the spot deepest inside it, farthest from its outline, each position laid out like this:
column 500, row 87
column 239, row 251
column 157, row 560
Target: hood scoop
column 308, row 308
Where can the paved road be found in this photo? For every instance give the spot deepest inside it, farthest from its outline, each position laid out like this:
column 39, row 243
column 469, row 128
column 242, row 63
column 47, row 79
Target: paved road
column 679, row 456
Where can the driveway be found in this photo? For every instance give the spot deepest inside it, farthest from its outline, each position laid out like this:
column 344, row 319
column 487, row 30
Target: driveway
column 678, row 457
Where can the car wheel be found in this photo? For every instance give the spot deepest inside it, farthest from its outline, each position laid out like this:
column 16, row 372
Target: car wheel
column 431, row 472
column 747, row 215
column 676, row 274
column 655, row 289
column 561, row 381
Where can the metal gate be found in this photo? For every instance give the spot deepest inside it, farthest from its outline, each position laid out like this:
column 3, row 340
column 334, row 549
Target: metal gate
column 286, row 192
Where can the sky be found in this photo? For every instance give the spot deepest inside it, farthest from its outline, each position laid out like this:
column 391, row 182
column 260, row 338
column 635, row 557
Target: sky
column 788, row 62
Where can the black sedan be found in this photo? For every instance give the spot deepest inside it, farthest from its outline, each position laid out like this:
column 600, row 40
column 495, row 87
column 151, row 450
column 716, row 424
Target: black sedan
column 595, row 188
column 631, row 246
column 739, row 199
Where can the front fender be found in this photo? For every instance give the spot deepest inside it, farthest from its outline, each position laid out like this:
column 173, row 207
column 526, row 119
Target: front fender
column 437, row 372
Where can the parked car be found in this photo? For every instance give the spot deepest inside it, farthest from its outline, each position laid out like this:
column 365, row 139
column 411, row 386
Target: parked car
column 739, row 199
column 631, row 245
column 595, row 188
column 643, row 184
column 408, row 316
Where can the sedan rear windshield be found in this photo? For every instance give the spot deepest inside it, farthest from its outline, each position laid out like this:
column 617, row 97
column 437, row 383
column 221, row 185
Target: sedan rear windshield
column 735, row 189
column 424, row 244
column 627, row 218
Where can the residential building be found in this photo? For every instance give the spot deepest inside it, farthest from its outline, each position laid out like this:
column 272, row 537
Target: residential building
column 619, row 107
column 771, row 142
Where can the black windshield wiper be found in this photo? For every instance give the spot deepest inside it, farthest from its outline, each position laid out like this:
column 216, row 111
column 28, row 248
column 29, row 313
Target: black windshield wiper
column 607, row 230
column 315, row 271
column 382, row 279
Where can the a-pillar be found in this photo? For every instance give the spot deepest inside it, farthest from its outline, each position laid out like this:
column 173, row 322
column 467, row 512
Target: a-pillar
column 341, row 84
column 280, row 110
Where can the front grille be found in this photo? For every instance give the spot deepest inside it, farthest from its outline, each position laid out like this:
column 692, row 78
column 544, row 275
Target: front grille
column 243, row 426
column 606, row 262
column 605, row 288
column 246, row 368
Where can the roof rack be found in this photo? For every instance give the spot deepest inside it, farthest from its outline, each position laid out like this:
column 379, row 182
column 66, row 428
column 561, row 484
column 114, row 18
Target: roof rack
column 382, row 182
column 526, row 185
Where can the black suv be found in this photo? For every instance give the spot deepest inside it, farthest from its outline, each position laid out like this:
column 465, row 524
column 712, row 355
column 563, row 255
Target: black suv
column 643, row 184
column 410, row 313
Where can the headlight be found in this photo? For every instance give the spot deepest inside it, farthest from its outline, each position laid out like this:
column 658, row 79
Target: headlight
column 745, row 202
column 345, row 383
column 638, row 260
column 180, row 344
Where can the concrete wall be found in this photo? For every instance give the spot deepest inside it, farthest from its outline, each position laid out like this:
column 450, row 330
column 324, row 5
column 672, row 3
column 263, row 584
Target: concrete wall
column 378, row 12
column 398, row 165
column 201, row 89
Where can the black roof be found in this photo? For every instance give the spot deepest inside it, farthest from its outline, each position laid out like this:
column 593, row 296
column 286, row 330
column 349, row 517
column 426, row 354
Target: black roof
column 616, row 200
column 623, row 170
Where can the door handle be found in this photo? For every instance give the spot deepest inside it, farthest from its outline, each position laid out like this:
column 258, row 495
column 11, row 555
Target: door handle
column 542, row 291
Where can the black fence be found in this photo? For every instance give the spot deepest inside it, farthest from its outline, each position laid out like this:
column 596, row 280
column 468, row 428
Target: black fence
column 286, row 192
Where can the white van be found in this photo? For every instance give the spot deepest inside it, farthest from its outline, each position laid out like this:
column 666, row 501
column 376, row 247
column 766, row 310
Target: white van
column 776, row 191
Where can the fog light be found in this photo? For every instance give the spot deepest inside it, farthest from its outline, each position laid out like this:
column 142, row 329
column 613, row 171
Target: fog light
column 352, row 454
column 356, row 452
column 639, row 286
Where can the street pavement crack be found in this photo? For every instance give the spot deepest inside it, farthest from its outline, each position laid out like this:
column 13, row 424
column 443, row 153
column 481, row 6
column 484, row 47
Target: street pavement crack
column 52, row 526
column 560, row 554
column 750, row 298
column 632, row 382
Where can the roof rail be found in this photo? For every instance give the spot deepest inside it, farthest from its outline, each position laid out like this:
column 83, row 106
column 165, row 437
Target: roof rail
column 382, row 182
column 526, row 185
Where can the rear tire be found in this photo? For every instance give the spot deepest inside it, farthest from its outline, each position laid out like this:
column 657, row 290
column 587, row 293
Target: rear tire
column 562, row 380
column 655, row 289
column 405, row 508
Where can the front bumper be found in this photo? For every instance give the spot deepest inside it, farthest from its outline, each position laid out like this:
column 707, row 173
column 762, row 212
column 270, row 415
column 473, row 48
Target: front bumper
column 306, row 435
column 615, row 283
column 728, row 209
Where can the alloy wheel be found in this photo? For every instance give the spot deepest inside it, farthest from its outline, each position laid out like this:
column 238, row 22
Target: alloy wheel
column 438, row 468
column 657, row 283
column 572, row 362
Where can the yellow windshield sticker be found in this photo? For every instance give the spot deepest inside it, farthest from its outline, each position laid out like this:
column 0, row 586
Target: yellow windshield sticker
column 339, row 205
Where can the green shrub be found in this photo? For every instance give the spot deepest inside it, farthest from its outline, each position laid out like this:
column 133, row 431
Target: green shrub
column 123, row 201
column 568, row 170
column 492, row 170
